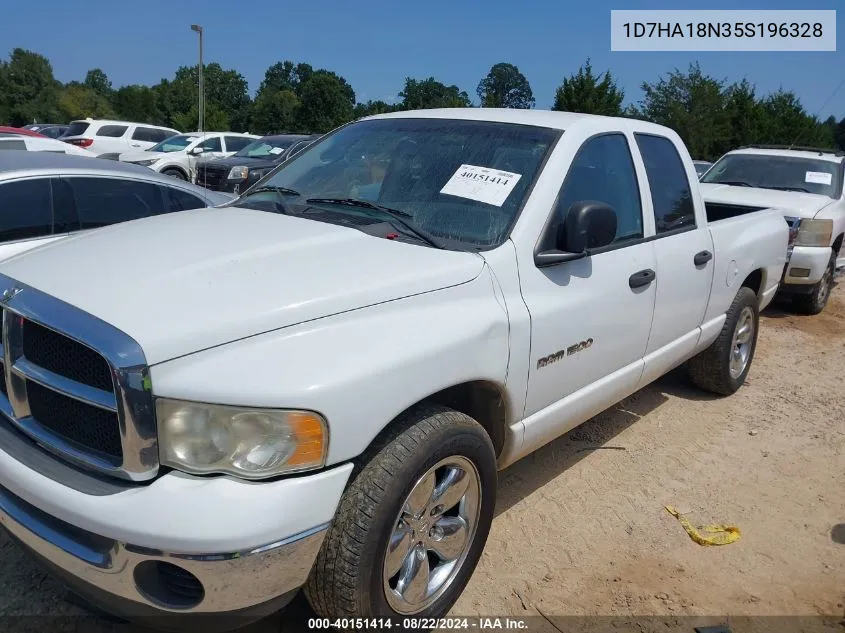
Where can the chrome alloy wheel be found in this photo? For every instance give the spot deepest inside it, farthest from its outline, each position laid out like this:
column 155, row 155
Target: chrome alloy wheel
column 432, row 535
column 742, row 340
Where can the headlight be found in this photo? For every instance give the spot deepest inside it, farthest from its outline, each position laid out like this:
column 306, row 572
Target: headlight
column 238, row 173
column 248, row 443
column 814, row 233
column 147, row 163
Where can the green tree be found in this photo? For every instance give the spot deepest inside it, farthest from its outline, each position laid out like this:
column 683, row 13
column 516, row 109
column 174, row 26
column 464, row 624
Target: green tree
column 694, row 105
column 274, row 112
column 373, row 107
column 215, row 119
column 505, row 87
column 97, row 81
column 744, row 114
column 787, row 123
column 590, row 94
column 326, row 101
column 225, row 92
column 430, row 93
column 28, row 90
column 78, row 101
column 137, row 103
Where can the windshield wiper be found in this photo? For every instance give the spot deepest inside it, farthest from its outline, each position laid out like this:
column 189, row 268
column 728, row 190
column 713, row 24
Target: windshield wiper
column 733, row 183
column 801, row 189
column 279, row 190
column 398, row 216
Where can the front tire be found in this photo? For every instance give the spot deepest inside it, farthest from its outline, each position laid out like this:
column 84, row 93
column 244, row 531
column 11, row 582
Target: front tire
column 815, row 302
column 175, row 173
column 411, row 525
column 722, row 367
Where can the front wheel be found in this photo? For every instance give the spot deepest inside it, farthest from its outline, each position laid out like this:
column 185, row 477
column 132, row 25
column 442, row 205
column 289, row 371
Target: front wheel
column 410, row 528
column 722, row 367
column 175, row 173
column 815, row 302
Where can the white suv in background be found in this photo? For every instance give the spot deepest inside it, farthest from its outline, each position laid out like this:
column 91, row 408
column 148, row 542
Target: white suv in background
column 102, row 137
column 178, row 155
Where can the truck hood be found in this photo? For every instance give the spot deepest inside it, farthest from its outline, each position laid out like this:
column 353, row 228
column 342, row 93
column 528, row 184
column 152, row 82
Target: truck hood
column 792, row 203
column 183, row 282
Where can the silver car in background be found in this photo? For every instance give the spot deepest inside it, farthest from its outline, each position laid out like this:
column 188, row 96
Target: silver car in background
column 46, row 196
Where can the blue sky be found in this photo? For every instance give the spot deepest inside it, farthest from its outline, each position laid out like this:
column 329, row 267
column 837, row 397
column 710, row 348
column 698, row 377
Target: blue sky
column 375, row 44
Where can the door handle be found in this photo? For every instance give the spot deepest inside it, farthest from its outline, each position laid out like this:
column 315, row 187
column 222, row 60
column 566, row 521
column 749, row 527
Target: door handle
column 642, row 278
column 702, row 258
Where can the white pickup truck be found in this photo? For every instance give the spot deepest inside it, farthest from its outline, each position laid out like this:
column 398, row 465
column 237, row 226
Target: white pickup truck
column 807, row 185
column 315, row 386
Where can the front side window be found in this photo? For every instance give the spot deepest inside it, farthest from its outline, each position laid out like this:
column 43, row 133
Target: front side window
column 105, row 201
column 112, row 131
column 26, row 211
column 770, row 171
column 237, row 143
column 671, row 196
column 211, row 144
column 603, row 170
column 458, row 180
column 175, row 143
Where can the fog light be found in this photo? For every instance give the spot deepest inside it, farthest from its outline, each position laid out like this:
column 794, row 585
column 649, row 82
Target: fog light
column 799, row 272
column 168, row 585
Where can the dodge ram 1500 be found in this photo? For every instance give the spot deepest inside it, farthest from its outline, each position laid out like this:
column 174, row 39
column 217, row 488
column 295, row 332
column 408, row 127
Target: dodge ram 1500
column 315, row 385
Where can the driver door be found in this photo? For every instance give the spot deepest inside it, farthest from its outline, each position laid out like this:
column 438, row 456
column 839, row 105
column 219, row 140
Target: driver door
column 591, row 318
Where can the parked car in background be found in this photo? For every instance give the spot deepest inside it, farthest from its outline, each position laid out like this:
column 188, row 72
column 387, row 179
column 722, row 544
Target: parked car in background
column 807, row 184
column 101, row 136
column 48, row 196
column 19, row 131
column 309, row 388
column 252, row 163
column 701, row 167
column 41, row 144
column 178, row 155
column 51, row 130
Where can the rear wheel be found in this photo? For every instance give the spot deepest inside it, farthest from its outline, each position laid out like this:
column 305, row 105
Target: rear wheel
column 815, row 302
column 174, row 173
column 723, row 366
column 411, row 526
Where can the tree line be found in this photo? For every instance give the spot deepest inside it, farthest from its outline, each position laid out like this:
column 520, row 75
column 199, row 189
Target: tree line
column 710, row 114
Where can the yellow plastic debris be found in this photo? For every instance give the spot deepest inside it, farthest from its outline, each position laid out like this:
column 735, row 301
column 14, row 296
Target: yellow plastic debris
column 721, row 534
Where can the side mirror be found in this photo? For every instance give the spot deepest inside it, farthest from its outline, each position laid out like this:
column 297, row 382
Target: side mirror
column 589, row 224
column 196, row 151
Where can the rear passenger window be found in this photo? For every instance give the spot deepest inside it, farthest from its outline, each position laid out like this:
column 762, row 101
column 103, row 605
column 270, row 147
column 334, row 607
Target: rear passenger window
column 26, row 210
column 237, row 143
column 105, row 201
column 667, row 179
column 149, row 135
column 179, row 200
column 114, row 131
column 603, row 170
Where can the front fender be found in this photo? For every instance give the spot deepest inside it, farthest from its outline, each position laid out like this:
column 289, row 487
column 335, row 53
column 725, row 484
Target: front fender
column 359, row 369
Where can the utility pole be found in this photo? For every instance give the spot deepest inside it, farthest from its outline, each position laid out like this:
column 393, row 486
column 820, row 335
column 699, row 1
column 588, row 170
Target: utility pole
column 201, row 104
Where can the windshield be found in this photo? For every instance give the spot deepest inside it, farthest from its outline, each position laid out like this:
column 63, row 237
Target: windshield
column 263, row 148
column 174, row 143
column 464, row 181
column 768, row 171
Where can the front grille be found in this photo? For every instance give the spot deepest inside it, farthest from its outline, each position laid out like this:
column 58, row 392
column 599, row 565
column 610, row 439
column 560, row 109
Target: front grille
column 86, row 426
column 212, row 177
column 66, row 357
column 75, row 384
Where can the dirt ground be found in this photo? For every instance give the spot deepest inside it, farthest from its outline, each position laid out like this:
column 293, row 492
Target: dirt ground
column 581, row 529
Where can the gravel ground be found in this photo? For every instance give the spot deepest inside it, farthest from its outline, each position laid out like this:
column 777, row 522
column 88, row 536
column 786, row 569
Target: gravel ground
column 581, row 529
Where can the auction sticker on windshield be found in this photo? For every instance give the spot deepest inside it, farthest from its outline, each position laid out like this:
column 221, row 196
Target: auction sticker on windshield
column 490, row 186
column 276, row 150
column 818, row 177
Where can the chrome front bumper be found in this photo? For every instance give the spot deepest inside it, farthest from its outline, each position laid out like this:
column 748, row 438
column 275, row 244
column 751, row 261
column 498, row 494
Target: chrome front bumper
column 213, row 583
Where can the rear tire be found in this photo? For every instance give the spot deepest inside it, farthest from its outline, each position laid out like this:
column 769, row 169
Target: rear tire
column 722, row 367
column 815, row 302
column 175, row 173
column 420, row 501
